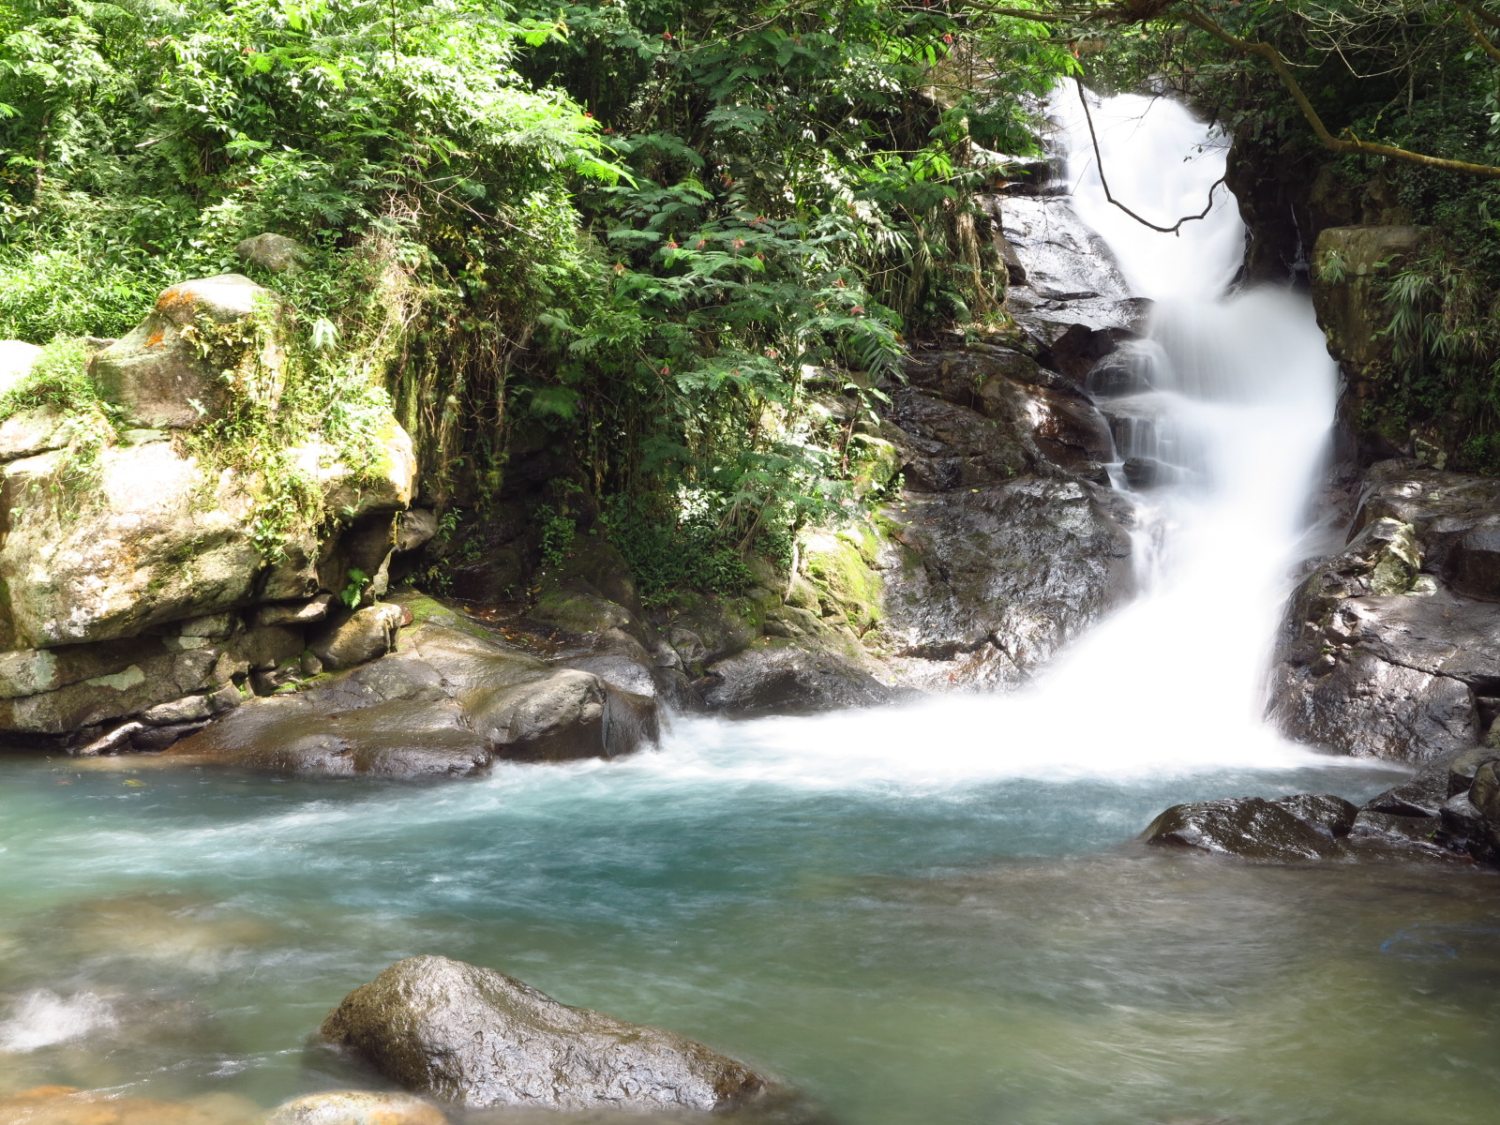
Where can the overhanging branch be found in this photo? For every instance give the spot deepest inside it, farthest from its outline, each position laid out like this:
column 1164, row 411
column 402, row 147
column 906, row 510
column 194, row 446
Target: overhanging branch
column 1099, row 163
column 1347, row 143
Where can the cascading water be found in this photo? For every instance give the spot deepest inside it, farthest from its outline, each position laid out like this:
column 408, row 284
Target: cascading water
column 1221, row 417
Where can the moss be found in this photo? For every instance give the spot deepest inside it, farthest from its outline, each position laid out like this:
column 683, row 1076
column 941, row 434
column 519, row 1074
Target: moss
column 841, row 568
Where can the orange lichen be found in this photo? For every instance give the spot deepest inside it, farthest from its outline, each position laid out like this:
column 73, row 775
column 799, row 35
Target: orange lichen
column 155, row 339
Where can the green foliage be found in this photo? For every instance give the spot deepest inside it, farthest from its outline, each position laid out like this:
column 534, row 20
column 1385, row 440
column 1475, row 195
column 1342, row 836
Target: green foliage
column 354, row 588
column 1444, row 331
column 558, row 530
column 669, row 552
column 59, row 383
column 646, row 230
column 58, row 379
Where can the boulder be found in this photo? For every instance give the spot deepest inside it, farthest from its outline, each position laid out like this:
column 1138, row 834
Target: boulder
column 1351, row 268
column 275, row 253
column 1384, row 650
column 1324, row 811
column 985, row 584
column 207, row 347
column 151, row 539
column 478, row 1038
column 17, row 358
column 357, row 1107
column 365, row 635
column 1247, row 827
column 782, row 678
column 447, row 704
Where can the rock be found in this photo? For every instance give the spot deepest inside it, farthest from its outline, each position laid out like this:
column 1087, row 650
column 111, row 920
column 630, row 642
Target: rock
column 1379, row 654
column 450, row 701
column 1350, row 267
column 415, row 528
column 1423, row 795
column 296, row 613
column 159, row 372
column 478, row 1038
column 1402, row 834
column 64, row 1105
column 778, row 678
column 1463, row 767
column 151, row 540
column 367, row 634
column 16, row 361
column 1324, row 811
column 1484, row 794
column 1461, row 820
column 275, row 253
column 357, row 1107
column 569, row 714
column 984, row 585
column 1248, row 827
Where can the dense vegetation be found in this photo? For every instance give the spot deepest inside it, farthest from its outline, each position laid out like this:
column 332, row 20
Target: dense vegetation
column 684, row 241
column 651, row 230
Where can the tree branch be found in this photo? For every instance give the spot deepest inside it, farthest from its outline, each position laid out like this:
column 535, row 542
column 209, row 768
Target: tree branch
column 1347, row 143
column 1099, row 162
column 1466, row 13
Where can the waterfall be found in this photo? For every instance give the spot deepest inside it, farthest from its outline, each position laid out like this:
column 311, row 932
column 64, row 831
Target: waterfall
column 1221, row 417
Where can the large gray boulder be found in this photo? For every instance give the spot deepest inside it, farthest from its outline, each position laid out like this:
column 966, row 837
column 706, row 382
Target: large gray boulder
column 153, row 538
column 478, row 1038
column 1391, row 649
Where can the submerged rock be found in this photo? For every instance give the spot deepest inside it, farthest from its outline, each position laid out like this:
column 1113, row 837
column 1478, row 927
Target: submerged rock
column 357, row 1107
column 478, row 1038
column 65, row 1105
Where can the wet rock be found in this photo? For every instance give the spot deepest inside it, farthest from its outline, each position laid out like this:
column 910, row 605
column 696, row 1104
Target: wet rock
column 779, row 678
column 367, row 634
column 1324, row 811
column 1401, row 834
column 1378, row 656
column 1461, row 820
column 1423, row 795
column 450, row 701
column 1248, row 827
column 357, row 1107
column 986, row 584
column 478, row 1038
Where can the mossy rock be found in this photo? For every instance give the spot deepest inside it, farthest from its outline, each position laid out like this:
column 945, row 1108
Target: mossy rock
column 840, row 566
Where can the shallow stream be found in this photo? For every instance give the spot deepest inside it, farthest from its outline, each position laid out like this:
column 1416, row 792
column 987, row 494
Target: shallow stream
column 935, row 938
